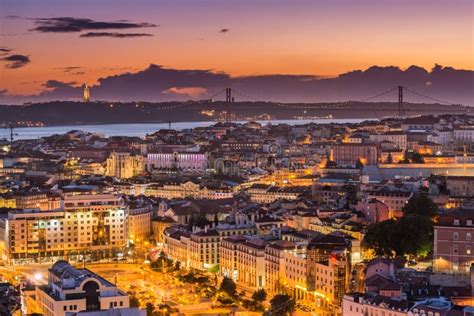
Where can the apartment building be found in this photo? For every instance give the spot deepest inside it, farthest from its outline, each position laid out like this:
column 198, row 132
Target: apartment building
column 189, row 189
column 87, row 224
column 350, row 154
column 204, row 249
column 228, row 255
column 453, row 241
column 460, row 186
column 394, row 200
column 36, row 200
column 268, row 194
column 464, row 133
column 328, row 266
column 176, row 245
column 139, row 222
column 251, row 264
column 399, row 139
column 200, row 249
column 275, row 265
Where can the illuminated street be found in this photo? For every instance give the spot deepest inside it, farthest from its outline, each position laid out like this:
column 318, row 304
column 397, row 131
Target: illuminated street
column 138, row 280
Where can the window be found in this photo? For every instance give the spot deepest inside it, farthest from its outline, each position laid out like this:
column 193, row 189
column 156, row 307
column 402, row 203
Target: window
column 455, row 249
column 468, row 250
column 456, row 222
column 455, row 236
column 468, row 236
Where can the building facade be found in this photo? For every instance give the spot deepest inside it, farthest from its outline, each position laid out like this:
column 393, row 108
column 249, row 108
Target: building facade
column 72, row 290
column 86, row 225
column 453, row 241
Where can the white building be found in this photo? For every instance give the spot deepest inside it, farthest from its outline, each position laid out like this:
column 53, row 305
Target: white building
column 395, row 137
column 185, row 161
column 72, row 290
column 464, row 134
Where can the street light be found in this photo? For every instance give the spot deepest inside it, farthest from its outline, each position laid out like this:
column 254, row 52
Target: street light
column 38, row 277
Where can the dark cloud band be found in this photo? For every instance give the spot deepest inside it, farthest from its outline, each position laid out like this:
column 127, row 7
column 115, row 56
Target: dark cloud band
column 115, row 34
column 16, row 61
column 74, row 25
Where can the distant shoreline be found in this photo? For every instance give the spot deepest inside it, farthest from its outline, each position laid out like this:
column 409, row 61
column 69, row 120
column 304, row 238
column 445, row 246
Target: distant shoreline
column 141, row 129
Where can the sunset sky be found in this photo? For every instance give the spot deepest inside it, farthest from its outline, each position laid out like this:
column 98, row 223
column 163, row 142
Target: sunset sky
column 244, row 37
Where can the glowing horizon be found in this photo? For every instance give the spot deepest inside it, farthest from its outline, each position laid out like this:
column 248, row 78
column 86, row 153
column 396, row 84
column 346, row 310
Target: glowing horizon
column 241, row 38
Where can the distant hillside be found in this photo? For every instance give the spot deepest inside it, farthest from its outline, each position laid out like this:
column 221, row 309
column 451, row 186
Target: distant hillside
column 70, row 113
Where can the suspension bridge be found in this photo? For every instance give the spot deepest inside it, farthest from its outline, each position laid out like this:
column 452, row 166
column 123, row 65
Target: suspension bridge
column 396, row 94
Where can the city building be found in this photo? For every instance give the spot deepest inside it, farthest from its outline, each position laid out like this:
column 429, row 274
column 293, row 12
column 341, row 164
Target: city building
column 350, row 154
column 398, row 138
column 71, row 290
column 453, row 249
column 328, row 266
column 92, row 225
column 251, row 264
column 191, row 161
column 190, row 189
column 139, row 222
column 124, row 165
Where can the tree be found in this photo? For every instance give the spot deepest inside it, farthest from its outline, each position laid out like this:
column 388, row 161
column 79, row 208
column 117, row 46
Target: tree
column 415, row 234
column 411, row 235
column 164, row 309
column 282, row 304
column 259, row 295
column 422, row 205
column 405, row 159
column 258, row 298
column 379, row 238
column 134, row 302
column 417, row 158
column 359, row 164
column 228, row 286
column 150, row 308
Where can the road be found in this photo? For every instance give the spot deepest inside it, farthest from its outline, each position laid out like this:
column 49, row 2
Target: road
column 139, row 280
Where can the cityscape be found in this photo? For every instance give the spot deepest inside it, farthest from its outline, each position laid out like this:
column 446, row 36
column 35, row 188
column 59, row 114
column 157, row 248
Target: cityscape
column 307, row 158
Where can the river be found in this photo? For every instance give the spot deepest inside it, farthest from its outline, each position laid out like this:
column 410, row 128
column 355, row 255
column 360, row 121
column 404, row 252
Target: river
column 140, row 130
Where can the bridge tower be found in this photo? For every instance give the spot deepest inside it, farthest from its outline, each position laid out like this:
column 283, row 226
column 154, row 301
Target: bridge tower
column 228, row 100
column 401, row 110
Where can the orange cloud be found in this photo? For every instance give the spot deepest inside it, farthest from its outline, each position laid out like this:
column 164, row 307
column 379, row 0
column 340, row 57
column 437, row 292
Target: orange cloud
column 190, row 91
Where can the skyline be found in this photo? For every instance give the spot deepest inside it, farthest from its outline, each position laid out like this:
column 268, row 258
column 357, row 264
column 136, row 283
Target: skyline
column 239, row 38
